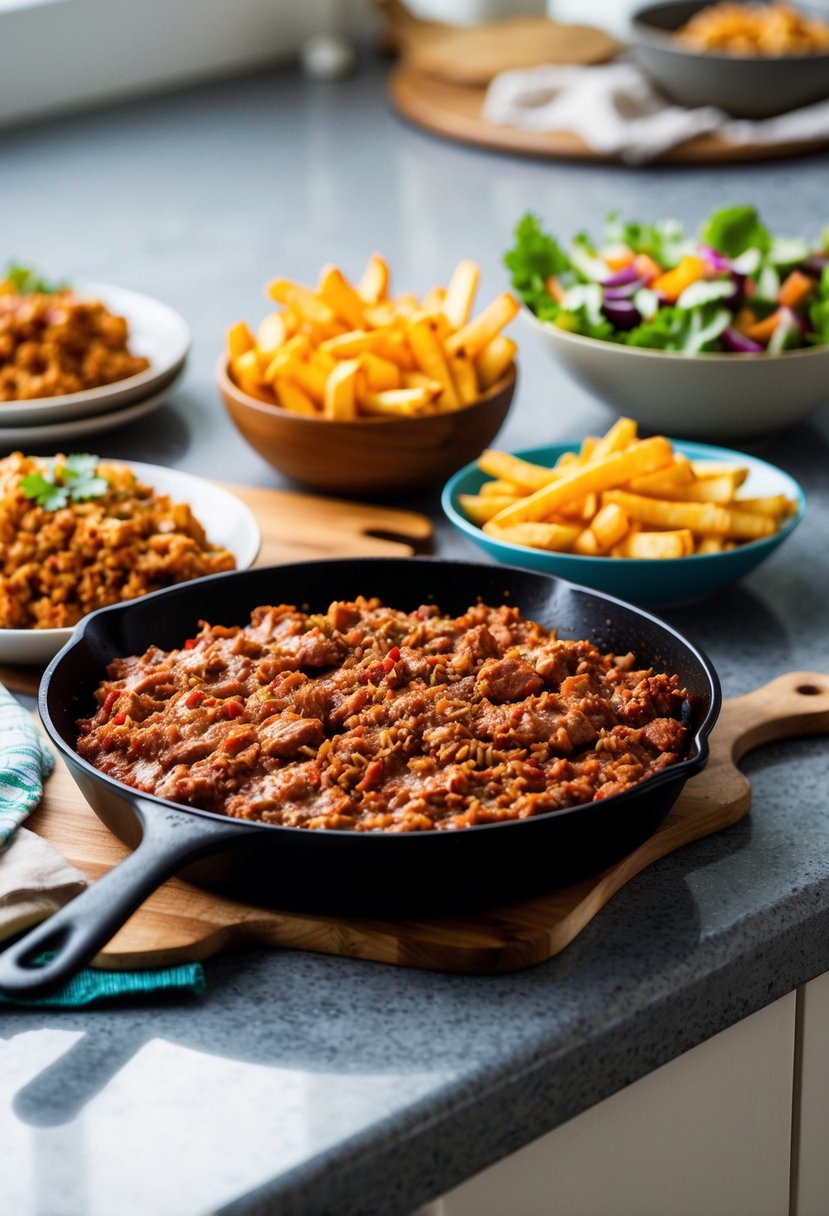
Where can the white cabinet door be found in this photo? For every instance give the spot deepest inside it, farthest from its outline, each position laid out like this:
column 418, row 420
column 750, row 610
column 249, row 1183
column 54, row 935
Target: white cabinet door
column 811, row 1162
column 708, row 1133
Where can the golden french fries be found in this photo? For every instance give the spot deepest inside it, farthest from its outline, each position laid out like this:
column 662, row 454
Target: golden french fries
column 755, row 30
column 460, row 293
column 555, row 537
column 643, row 456
column 480, row 508
column 343, row 351
column 621, row 497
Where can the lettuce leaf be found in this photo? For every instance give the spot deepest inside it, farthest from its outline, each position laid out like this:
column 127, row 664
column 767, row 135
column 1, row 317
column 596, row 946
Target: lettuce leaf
column 819, row 317
column 786, row 252
column 732, row 230
column 582, row 321
column 534, row 258
column 665, row 241
column 584, row 260
column 705, row 291
column 689, row 331
column 581, row 312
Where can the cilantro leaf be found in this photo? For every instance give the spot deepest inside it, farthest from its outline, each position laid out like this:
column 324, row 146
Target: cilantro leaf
column 25, row 280
column 71, row 480
column 45, row 491
column 91, row 487
column 80, row 464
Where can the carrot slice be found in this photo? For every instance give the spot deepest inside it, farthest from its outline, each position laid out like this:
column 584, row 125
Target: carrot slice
column 794, row 289
column 646, row 267
column 554, row 289
column 618, row 259
column 672, row 284
column 744, row 320
column 762, row 330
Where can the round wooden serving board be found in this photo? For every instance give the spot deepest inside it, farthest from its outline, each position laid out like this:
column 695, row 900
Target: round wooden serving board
column 180, row 922
column 454, row 111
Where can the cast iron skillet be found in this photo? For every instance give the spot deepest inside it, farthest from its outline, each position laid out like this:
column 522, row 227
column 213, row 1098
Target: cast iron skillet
column 369, row 874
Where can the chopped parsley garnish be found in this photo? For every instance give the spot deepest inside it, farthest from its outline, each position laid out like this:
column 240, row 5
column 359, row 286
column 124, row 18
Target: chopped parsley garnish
column 61, row 482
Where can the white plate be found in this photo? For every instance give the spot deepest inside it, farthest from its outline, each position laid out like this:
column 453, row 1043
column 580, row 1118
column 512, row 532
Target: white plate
column 155, row 331
column 12, row 437
column 226, row 520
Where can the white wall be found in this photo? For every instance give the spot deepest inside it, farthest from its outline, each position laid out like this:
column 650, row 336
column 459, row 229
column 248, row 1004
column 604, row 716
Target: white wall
column 58, row 55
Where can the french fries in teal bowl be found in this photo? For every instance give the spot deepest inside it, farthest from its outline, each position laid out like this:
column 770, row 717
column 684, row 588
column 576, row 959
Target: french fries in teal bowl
column 653, row 521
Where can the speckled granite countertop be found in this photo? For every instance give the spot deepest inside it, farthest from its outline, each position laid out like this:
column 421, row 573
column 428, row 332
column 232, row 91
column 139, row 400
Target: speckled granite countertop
column 323, row 1086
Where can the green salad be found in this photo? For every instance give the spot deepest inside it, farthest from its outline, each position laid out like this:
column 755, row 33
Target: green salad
column 733, row 288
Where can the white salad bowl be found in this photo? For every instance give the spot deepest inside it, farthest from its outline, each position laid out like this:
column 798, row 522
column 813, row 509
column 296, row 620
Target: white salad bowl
column 694, row 396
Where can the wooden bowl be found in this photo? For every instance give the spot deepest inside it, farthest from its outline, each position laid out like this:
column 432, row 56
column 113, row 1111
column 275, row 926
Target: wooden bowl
column 370, row 456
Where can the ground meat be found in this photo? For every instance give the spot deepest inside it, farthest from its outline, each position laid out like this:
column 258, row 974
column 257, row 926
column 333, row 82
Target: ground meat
column 371, row 719
column 508, row 679
column 58, row 565
column 52, row 343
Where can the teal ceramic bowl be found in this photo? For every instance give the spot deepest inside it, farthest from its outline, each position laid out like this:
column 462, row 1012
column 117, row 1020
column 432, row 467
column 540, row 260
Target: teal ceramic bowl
column 657, row 583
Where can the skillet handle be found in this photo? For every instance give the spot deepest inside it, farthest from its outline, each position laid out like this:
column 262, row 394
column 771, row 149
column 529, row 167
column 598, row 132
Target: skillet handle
column 74, row 935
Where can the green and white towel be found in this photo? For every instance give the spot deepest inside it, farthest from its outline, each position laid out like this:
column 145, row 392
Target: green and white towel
column 35, row 880
column 25, row 763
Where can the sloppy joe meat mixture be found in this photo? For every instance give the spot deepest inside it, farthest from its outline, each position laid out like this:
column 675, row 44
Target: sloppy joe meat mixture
column 54, row 343
column 368, row 718
column 57, row 565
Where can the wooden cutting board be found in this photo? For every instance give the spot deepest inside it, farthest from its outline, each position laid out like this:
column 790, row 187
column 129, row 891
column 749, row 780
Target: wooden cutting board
column 181, row 923
column 473, row 54
column 296, row 526
column 454, row 111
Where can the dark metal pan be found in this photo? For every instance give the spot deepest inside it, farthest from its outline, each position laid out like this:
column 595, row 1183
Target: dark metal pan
column 371, row 873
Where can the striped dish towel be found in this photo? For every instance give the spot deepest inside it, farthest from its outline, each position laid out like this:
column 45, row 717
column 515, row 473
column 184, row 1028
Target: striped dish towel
column 88, row 987
column 35, row 880
column 25, row 762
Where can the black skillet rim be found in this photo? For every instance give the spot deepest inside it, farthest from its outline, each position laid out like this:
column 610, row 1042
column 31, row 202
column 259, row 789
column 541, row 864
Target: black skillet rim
column 685, row 768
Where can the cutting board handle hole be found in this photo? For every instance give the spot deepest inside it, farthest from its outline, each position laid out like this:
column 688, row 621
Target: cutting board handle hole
column 419, row 545
column 809, row 690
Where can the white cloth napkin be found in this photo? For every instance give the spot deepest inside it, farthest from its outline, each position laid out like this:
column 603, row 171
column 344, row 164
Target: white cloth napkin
column 617, row 112
column 35, row 880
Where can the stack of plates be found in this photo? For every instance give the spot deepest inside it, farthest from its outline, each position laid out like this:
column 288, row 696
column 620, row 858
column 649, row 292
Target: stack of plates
column 155, row 331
